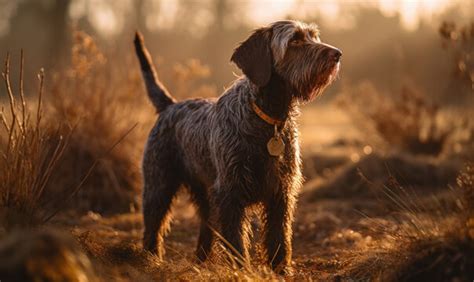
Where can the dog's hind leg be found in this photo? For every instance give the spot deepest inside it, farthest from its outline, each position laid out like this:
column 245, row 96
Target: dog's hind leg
column 206, row 236
column 157, row 199
column 161, row 184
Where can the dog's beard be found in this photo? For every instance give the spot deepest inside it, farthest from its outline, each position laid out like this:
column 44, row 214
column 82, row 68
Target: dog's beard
column 322, row 76
column 334, row 73
column 308, row 72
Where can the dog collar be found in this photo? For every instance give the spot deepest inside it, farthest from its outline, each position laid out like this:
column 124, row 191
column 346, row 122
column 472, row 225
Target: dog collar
column 268, row 119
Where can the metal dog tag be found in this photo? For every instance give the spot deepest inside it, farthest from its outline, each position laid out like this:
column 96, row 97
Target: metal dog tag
column 275, row 145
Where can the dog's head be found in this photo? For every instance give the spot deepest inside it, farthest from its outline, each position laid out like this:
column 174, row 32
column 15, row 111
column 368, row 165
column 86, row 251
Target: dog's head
column 293, row 51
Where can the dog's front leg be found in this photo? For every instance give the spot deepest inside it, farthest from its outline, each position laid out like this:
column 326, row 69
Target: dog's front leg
column 278, row 232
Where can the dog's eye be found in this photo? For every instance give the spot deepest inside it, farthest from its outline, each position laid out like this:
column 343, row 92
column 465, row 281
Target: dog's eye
column 296, row 40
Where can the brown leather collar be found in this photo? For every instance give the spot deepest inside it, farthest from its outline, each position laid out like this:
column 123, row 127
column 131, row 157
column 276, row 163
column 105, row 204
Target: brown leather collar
column 268, row 119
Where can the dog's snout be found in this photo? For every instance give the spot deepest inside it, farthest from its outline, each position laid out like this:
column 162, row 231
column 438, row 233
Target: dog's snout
column 332, row 52
column 336, row 54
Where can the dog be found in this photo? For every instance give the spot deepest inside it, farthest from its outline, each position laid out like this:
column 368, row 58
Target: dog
column 240, row 150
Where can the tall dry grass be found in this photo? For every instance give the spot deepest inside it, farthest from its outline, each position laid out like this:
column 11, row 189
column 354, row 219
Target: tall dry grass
column 100, row 98
column 77, row 148
column 30, row 155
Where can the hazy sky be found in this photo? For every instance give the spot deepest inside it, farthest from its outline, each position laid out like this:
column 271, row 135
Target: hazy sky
column 162, row 14
column 109, row 16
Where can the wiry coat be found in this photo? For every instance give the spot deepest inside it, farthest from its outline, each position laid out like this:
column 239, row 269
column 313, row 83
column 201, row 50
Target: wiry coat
column 217, row 148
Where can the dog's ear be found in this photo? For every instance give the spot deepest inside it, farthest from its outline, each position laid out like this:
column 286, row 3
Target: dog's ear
column 254, row 57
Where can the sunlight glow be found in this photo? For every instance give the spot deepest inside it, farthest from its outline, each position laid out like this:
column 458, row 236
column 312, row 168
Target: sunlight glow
column 337, row 12
column 162, row 14
column 412, row 12
column 267, row 11
column 103, row 18
column 108, row 17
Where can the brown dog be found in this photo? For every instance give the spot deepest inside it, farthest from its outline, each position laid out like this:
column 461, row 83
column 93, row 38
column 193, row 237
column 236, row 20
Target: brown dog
column 240, row 150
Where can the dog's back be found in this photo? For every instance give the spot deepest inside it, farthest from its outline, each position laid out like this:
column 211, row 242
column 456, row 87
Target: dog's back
column 190, row 123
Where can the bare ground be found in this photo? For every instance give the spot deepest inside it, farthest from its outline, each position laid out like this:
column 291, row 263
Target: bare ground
column 364, row 213
column 335, row 232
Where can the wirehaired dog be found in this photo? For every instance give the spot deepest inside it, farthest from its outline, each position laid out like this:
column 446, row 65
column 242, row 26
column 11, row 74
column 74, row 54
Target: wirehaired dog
column 240, row 150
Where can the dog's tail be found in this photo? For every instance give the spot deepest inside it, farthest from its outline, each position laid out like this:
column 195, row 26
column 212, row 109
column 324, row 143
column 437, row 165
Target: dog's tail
column 158, row 94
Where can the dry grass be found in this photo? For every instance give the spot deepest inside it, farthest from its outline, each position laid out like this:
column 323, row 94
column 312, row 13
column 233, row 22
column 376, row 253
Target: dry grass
column 30, row 156
column 432, row 241
column 123, row 258
column 73, row 150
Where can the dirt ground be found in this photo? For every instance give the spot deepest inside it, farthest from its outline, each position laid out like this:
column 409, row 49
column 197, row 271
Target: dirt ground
column 365, row 212
column 332, row 232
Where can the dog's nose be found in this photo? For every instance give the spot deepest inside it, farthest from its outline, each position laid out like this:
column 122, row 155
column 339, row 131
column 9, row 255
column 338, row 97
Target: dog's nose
column 336, row 54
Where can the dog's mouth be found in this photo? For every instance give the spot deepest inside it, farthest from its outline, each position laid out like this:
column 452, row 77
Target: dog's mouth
column 322, row 76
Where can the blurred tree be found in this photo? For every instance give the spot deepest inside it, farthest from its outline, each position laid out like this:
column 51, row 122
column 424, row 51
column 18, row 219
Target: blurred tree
column 60, row 28
column 44, row 22
column 226, row 30
column 460, row 40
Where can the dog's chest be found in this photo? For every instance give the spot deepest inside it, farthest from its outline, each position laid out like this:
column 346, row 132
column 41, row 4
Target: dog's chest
column 250, row 156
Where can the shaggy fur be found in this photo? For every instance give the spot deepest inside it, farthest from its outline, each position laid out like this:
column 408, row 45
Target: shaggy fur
column 217, row 149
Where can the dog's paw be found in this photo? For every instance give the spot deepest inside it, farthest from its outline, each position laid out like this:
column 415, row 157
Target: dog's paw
column 200, row 257
column 284, row 270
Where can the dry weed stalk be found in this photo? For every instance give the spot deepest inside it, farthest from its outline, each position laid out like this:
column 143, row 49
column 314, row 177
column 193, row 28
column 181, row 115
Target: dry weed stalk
column 29, row 156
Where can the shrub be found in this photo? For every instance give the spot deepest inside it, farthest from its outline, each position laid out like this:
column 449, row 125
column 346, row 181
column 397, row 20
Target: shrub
column 188, row 78
column 99, row 99
column 459, row 40
column 408, row 121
